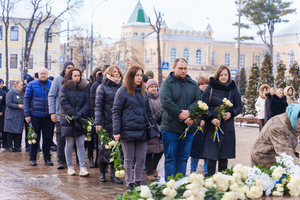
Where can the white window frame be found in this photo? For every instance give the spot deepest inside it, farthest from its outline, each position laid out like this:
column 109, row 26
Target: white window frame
column 292, row 59
column 198, row 60
column 11, row 34
column 17, row 59
column 227, row 62
column 45, row 30
column 257, row 60
column 150, row 56
column 213, row 58
column 189, row 55
column 145, row 55
column 277, row 58
column 1, row 59
column 2, row 32
column 135, row 34
column 243, row 61
column 143, row 34
column 32, row 61
column 49, row 63
column 176, row 54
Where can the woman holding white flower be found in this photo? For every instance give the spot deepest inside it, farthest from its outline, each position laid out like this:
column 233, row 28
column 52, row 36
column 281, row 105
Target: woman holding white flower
column 220, row 86
column 279, row 135
column 105, row 95
column 14, row 117
column 74, row 100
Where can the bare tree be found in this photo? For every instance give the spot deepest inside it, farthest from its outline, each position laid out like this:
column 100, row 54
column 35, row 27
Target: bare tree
column 7, row 7
column 157, row 28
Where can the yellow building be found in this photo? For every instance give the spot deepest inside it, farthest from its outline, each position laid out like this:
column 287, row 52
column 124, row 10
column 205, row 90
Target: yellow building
column 16, row 42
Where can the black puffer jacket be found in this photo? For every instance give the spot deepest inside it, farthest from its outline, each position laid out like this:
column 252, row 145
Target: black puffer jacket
column 128, row 115
column 2, row 108
column 93, row 93
column 105, row 96
column 278, row 105
column 74, row 98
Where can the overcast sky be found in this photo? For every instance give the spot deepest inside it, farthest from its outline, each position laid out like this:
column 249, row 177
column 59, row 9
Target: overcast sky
column 109, row 16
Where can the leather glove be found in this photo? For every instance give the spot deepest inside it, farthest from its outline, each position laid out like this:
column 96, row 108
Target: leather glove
column 78, row 117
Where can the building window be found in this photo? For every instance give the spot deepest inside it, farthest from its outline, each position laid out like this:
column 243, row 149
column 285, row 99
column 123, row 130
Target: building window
column 257, row 59
column 48, row 61
column 14, row 33
column 0, row 60
column 277, row 58
column 30, row 65
column 14, row 61
column 198, row 57
column 186, row 54
column 145, row 56
column 243, row 61
column 212, row 59
column 292, row 57
column 173, row 55
column 142, row 34
column 135, row 34
column 150, row 56
column 30, row 34
column 49, row 36
column 1, row 32
column 81, row 51
column 227, row 59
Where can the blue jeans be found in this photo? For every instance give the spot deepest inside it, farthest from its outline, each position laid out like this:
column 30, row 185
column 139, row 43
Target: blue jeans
column 194, row 164
column 177, row 152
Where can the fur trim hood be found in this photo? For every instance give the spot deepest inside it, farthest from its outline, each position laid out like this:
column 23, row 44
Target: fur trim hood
column 286, row 89
column 261, row 90
column 71, row 85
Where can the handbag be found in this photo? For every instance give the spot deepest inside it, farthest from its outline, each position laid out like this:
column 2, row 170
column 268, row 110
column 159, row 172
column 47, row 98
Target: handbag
column 152, row 130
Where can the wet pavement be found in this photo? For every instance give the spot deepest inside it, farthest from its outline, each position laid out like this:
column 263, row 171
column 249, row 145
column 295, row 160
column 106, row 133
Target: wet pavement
column 19, row 180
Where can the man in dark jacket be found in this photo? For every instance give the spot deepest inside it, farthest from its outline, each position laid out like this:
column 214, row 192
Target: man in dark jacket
column 54, row 108
column 179, row 95
column 3, row 137
column 36, row 111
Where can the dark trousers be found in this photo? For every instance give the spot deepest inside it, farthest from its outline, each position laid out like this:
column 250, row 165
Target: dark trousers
column 61, row 143
column 14, row 137
column 45, row 125
column 4, row 139
column 89, row 145
column 261, row 123
column 26, row 133
column 152, row 162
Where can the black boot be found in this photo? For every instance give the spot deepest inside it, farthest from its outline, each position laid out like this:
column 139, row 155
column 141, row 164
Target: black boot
column 91, row 162
column 102, row 177
column 211, row 170
column 130, row 186
column 113, row 177
column 221, row 168
column 137, row 183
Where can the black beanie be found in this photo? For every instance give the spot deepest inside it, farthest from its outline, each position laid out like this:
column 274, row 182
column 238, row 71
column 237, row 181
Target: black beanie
column 66, row 64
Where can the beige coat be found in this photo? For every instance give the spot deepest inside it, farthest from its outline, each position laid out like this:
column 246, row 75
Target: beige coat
column 276, row 137
column 290, row 99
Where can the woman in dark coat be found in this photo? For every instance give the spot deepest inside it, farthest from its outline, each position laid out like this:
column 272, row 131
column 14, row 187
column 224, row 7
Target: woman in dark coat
column 74, row 100
column 105, row 96
column 2, row 111
column 14, row 117
column 278, row 103
column 130, row 124
column 220, row 86
column 155, row 147
column 196, row 149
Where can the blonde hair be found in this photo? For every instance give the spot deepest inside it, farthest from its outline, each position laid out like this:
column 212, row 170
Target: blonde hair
column 17, row 82
column 273, row 90
column 110, row 71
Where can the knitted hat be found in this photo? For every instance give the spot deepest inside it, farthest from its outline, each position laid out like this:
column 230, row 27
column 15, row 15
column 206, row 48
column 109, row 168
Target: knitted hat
column 149, row 73
column 66, row 64
column 1, row 80
column 26, row 76
column 151, row 82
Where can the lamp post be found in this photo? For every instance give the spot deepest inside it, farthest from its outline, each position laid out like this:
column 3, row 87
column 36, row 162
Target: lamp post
column 239, row 44
column 92, row 39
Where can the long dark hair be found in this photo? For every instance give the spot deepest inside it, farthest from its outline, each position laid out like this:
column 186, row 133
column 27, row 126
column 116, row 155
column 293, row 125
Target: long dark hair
column 69, row 75
column 129, row 80
column 94, row 74
column 218, row 72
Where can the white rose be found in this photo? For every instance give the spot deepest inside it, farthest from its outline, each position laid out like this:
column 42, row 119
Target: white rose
column 90, row 123
column 199, row 103
column 276, row 193
column 29, row 142
column 191, row 186
column 193, row 177
column 107, row 146
column 166, row 191
column 117, row 174
column 234, row 187
column 145, row 191
column 89, row 128
column 187, row 193
column 86, row 139
column 205, row 107
column 122, row 173
column 89, row 139
column 171, row 183
column 224, row 100
column 208, row 183
column 191, row 198
column 228, row 103
column 33, row 141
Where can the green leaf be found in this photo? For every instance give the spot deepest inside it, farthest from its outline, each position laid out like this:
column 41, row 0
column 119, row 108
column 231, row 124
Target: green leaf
column 118, row 197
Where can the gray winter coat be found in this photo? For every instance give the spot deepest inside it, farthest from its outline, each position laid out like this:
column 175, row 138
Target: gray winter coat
column 14, row 116
column 53, row 96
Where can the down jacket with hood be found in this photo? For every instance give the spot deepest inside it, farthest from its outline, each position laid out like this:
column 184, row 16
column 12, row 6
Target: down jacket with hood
column 278, row 105
column 128, row 115
column 290, row 98
column 73, row 98
column 278, row 136
column 105, row 95
column 260, row 103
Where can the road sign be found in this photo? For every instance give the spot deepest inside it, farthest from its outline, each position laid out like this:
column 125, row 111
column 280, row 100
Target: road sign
column 128, row 61
column 165, row 65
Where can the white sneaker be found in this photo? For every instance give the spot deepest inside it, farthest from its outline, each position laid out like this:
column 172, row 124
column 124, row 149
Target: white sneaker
column 83, row 172
column 71, row 171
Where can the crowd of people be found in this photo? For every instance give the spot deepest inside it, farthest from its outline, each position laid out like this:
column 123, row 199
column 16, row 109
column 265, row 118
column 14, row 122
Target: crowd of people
column 126, row 107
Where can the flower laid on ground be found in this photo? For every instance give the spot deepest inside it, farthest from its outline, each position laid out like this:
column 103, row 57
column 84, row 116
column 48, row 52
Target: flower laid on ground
column 221, row 110
column 31, row 136
column 237, row 182
column 199, row 111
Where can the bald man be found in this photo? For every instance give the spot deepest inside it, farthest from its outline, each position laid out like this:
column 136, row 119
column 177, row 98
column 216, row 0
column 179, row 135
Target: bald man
column 36, row 111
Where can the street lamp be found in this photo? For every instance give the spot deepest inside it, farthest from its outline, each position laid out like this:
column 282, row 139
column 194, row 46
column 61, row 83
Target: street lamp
column 239, row 42
column 92, row 39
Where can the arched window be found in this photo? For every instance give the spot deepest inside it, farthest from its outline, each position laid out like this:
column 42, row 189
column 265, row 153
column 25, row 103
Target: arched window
column 277, row 58
column 142, row 34
column 198, row 57
column 173, row 55
column 186, row 54
column 150, row 56
column 135, row 34
column 292, row 57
